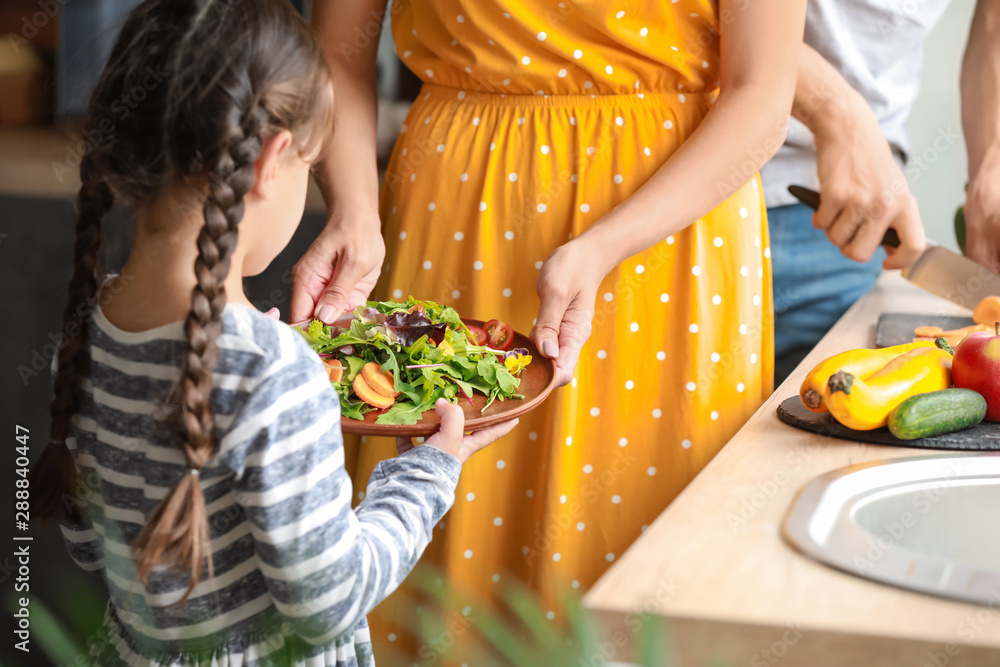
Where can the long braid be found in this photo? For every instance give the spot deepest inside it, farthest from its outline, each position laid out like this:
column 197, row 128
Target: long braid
column 54, row 497
column 177, row 533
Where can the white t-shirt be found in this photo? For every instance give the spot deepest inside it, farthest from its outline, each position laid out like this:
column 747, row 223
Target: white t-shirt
column 877, row 46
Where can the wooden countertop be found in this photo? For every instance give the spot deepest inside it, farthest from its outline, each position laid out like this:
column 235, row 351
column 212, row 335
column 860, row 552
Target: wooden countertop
column 727, row 587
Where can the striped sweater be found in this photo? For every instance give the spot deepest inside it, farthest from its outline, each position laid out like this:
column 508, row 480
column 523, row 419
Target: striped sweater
column 295, row 568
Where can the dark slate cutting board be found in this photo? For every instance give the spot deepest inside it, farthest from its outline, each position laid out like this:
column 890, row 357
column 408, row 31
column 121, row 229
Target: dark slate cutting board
column 897, row 328
column 983, row 437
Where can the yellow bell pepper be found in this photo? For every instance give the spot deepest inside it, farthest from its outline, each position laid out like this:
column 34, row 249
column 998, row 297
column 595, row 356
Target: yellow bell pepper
column 864, row 404
column 859, row 363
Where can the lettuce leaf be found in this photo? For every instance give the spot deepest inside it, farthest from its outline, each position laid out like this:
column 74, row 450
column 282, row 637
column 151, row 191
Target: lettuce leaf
column 408, row 328
column 404, row 413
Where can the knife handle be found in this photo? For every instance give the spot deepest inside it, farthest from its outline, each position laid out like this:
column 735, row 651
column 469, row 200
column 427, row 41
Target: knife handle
column 811, row 199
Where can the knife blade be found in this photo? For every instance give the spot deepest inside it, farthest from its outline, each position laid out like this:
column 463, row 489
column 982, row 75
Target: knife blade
column 938, row 270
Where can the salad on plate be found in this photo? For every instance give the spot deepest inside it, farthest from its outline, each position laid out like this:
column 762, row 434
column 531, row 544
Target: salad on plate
column 398, row 358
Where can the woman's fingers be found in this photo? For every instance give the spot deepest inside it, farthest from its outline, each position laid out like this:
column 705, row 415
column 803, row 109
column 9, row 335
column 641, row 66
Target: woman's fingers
column 338, row 271
column 574, row 331
column 309, row 276
column 549, row 322
column 567, row 287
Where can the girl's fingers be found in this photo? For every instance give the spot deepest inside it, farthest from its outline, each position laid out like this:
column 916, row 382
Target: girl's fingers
column 403, row 445
column 480, row 439
column 452, row 421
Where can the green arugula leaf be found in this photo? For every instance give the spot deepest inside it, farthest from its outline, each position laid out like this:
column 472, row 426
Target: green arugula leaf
column 487, row 368
column 466, row 387
column 508, row 383
column 407, row 390
column 404, row 413
column 351, row 410
column 354, row 365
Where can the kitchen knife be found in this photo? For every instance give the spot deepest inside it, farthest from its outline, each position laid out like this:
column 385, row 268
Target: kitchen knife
column 938, row 270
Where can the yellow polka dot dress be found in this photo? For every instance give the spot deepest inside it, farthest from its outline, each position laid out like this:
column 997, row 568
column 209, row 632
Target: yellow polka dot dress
column 535, row 119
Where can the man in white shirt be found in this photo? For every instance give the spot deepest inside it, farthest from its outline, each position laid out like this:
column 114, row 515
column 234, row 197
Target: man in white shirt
column 859, row 73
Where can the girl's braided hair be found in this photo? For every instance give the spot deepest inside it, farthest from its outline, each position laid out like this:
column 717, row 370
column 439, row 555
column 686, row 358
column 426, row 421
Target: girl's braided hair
column 191, row 91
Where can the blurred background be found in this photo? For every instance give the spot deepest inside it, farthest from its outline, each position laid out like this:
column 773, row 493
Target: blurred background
column 51, row 52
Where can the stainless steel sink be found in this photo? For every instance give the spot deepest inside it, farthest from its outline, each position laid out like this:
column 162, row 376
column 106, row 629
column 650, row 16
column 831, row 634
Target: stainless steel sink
column 927, row 523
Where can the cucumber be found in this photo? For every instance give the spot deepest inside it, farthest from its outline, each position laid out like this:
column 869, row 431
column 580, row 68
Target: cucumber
column 937, row 412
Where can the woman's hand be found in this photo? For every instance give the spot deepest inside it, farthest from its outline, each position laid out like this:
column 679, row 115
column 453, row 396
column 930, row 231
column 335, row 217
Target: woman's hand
column 339, row 270
column 567, row 287
column 450, row 438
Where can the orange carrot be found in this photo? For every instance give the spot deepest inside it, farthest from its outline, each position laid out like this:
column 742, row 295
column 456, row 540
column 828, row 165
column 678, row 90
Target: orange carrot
column 928, row 332
column 972, row 328
column 987, row 311
column 954, row 337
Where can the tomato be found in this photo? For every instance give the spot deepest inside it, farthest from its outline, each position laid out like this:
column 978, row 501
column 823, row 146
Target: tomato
column 478, row 335
column 499, row 335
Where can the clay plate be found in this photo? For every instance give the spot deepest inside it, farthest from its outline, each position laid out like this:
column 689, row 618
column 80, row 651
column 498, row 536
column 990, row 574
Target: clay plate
column 537, row 382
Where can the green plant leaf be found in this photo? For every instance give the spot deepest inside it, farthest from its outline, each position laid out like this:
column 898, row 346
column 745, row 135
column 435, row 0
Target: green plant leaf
column 401, row 413
column 48, row 633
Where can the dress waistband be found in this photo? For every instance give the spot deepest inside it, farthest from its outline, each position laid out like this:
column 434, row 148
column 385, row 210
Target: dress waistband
column 671, row 98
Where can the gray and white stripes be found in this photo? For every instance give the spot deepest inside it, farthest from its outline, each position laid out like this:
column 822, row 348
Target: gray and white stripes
column 296, row 569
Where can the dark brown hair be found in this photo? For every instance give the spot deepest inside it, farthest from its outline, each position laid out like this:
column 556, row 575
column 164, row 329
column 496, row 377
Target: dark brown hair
column 191, row 91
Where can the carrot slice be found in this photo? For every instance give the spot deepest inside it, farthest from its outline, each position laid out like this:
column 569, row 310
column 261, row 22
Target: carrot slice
column 953, row 340
column 334, row 368
column 927, row 332
column 987, row 311
column 965, row 331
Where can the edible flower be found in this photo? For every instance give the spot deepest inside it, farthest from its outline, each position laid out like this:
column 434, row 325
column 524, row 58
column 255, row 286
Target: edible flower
column 516, row 360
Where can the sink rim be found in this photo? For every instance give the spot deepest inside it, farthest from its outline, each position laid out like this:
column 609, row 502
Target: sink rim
column 819, row 525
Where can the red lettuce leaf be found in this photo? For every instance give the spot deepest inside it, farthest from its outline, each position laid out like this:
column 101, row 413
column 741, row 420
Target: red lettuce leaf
column 409, row 327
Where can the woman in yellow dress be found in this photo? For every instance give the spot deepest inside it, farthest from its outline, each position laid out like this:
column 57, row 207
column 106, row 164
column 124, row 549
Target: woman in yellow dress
column 579, row 170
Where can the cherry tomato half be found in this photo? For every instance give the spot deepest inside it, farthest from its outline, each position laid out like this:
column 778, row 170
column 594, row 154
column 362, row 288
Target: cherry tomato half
column 499, row 335
column 478, row 335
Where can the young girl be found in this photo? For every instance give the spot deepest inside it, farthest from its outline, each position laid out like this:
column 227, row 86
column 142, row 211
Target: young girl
column 196, row 459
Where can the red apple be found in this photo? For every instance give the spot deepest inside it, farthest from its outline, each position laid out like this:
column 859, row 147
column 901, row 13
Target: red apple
column 977, row 366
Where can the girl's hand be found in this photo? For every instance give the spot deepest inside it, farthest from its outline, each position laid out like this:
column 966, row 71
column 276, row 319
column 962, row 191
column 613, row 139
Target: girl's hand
column 339, row 270
column 450, row 438
column 567, row 287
